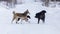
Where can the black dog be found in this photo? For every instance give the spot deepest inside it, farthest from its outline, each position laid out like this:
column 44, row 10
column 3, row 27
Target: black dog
column 41, row 15
column 27, row 17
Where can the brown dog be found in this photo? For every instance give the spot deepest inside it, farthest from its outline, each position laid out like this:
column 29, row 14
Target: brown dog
column 22, row 16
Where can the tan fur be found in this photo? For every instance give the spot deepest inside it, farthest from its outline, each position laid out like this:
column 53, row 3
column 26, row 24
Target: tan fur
column 23, row 16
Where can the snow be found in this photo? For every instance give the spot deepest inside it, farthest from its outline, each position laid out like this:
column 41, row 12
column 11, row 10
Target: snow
column 51, row 25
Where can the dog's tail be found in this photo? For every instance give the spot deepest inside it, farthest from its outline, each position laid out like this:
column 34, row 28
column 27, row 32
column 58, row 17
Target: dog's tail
column 13, row 12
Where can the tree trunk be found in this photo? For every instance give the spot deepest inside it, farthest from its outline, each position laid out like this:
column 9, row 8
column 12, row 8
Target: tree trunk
column 47, row 3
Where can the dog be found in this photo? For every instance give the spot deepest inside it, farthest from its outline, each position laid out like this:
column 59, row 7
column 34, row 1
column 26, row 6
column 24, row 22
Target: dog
column 41, row 16
column 22, row 16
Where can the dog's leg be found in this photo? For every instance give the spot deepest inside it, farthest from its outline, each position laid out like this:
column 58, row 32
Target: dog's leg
column 38, row 20
column 13, row 19
column 17, row 21
column 21, row 21
column 27, row 20
column 43, row 20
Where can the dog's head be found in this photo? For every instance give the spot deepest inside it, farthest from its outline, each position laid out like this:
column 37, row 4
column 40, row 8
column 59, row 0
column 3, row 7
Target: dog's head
column 27, row 11
column 39, row 13
column 36, row 15
column 43, row 11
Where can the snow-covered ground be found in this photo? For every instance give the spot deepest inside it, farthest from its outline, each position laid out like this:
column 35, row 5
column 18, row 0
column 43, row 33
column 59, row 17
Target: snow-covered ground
column 51, row 25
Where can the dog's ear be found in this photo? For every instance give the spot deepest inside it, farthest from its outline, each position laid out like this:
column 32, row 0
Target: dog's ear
column 27, row 9
column 44, row 11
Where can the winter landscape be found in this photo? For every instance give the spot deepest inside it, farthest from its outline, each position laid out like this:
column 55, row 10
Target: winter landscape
column 51, row 25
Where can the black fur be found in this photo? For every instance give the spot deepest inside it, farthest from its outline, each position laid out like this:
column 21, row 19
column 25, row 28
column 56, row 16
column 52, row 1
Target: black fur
column 18, row 19
column 41, row 15
column 28, row 17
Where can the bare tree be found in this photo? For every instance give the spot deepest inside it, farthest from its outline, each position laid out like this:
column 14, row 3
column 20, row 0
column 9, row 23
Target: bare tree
column 47, row 3
column 43, row 0
column 10, row 3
